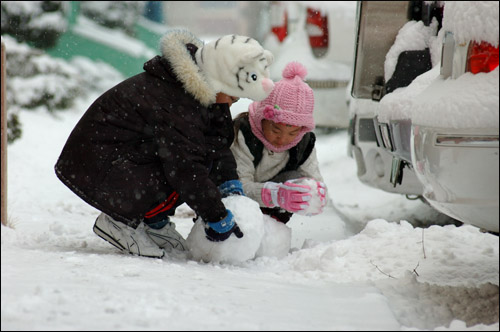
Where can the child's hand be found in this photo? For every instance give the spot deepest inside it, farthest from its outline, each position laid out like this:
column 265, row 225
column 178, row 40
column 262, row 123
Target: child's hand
column 318, row 192
column 289, row 196
column 322, row 193
column 231, row 187
column 222, row 230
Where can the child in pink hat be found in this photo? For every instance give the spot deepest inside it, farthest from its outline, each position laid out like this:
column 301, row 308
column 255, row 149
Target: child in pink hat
column 274, row 149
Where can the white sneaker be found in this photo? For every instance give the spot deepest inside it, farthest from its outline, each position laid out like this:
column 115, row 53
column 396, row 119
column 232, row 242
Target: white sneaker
column 167, row 237
column 125, row 238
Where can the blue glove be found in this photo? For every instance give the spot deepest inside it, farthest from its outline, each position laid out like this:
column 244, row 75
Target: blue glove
column 222, row 230
column 231, row 187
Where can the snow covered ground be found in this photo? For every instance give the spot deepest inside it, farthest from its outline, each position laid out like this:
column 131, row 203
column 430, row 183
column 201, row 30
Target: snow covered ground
column 369, row 262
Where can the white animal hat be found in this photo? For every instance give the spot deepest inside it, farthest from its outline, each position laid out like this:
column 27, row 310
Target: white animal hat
column 237, row 66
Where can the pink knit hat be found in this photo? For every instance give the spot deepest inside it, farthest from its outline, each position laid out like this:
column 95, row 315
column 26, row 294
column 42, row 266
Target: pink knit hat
column 291, row 102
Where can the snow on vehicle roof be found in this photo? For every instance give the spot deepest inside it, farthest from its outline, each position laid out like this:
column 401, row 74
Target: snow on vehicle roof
column 414, row 35
column 472, row 20
column 470, row 101
column 431, row 101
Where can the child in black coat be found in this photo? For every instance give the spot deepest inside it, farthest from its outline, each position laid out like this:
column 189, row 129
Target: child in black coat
column 162, row 138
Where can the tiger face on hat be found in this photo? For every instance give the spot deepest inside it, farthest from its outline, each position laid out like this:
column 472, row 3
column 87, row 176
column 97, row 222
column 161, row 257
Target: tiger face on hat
column 237, row 66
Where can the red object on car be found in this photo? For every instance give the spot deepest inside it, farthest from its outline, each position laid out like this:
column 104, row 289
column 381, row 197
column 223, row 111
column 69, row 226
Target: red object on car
column 482, row 57
column 317, row 28
column 279, row 20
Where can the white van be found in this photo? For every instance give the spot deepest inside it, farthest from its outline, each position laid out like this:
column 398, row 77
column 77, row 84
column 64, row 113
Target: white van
column 424, row 117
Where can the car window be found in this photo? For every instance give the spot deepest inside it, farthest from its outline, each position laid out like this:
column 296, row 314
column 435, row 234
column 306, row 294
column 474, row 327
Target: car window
column 378, row 26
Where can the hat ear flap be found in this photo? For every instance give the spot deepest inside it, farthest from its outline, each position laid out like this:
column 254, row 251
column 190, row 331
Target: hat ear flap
column 269, row 56
column 250, row 55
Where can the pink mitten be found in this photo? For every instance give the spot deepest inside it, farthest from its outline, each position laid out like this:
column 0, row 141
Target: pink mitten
column 321, row 193
column 318, row 196
column 289, row 196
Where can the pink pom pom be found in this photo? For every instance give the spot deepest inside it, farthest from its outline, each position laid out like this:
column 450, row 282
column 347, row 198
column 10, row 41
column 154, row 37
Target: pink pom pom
column 294, row 69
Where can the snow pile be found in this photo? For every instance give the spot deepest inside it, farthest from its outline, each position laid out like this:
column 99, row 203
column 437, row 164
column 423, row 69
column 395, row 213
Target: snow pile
column 334, row 277
column 277, row 239
column 468, row 305
column 388, row 250
column 233, row 250
column 412, row 36
column 470, row 101
column 472, row 20
column 399, row 104
column 57, row 274
column 262, row 236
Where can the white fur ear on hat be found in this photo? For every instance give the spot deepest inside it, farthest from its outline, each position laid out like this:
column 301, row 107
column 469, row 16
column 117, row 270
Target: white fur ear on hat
column 269, row 56
column 249, row 54
column 237, row 66
column 252, row 54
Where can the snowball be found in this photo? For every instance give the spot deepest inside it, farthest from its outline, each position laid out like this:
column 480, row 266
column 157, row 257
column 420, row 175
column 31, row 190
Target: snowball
column 249, row 218
column 277, row 239
column 262, row 236
column 315, row 201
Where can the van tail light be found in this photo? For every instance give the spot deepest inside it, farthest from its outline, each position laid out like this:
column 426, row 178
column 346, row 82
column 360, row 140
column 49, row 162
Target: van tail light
column 317, row 28
column 482, row 57
column 279, row 20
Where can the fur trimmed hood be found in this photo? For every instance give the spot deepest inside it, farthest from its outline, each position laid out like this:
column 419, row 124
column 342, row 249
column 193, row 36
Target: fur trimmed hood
column 173, row 48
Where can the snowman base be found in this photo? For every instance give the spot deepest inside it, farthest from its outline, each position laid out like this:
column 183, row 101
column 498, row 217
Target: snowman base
column 262, row 236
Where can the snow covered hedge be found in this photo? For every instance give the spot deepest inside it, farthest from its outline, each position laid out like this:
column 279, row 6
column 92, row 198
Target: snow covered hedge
column 121, row 15
column 39, row 22
column 36, row 80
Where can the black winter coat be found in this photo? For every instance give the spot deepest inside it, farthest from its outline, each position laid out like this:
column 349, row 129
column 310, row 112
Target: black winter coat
column 145, row 139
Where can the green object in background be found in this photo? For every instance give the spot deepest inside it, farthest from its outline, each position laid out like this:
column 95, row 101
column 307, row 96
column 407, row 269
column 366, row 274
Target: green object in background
column 126, row 55
column 71, row 44
column 149, row 33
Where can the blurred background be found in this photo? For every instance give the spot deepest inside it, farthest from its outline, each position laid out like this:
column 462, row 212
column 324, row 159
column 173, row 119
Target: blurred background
column 61, row 50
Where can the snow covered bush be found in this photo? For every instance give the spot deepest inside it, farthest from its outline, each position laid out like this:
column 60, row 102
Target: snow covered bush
column 40, row 23
column 13, row 127
column 114, row 14
column 96, row 77
column 36, row 80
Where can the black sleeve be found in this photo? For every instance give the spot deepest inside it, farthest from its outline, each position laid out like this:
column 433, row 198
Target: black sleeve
column 223, row 168
column 182, row 149
column 218, row 141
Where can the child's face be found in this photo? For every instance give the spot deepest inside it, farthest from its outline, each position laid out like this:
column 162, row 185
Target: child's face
column 223, row 98
column 279, row 134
